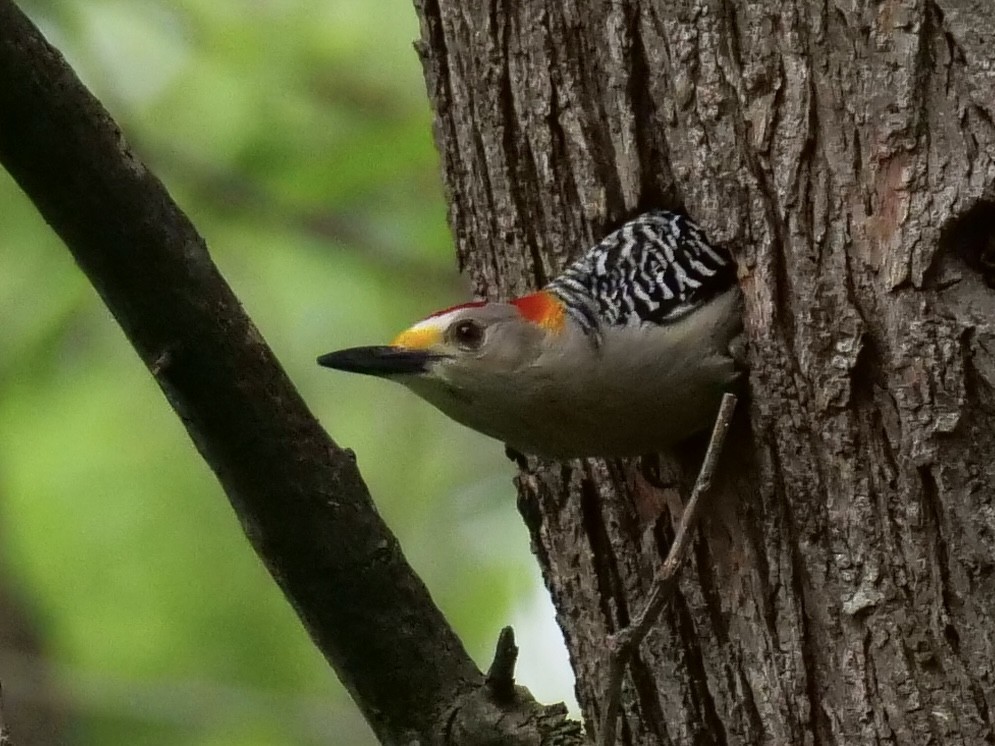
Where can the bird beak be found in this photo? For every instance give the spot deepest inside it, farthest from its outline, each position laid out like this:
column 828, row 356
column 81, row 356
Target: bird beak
column 380, row 361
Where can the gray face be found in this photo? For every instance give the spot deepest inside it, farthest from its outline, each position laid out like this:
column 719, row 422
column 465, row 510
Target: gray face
column 482, row 359
column 476, row 349
column 471, row 362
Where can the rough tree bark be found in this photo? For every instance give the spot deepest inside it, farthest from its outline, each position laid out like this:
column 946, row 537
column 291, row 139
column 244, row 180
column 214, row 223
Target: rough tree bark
column 842, row 586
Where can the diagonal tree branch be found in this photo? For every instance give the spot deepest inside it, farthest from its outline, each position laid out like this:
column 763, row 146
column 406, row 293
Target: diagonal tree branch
column 299, row 496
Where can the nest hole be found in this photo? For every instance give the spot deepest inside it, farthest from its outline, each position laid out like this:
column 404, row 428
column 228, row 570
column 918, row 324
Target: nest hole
column 971, row 237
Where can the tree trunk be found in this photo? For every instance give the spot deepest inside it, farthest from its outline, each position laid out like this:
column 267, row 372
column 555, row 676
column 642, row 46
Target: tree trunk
column 841, row 589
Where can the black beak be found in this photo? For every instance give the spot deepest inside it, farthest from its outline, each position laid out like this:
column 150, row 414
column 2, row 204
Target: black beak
column 379, row 361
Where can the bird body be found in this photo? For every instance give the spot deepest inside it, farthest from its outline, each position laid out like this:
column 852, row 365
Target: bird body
column 625, row 353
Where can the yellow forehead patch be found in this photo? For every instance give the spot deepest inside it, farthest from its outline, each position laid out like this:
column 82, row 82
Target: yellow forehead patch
column 418, row 337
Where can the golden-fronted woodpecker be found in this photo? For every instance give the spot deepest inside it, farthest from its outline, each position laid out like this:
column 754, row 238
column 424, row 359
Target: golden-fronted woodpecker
column 626, row 353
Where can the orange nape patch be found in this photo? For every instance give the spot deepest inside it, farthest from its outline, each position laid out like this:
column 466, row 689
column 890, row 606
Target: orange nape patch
column 542, row 308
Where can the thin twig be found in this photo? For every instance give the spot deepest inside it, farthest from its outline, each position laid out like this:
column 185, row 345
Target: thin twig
column 625, row 642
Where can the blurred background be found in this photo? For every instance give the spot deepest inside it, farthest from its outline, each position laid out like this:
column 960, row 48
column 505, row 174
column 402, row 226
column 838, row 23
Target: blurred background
column 297, row 136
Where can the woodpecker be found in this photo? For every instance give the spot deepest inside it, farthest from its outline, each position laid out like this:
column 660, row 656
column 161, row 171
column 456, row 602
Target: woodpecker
column 626, row 353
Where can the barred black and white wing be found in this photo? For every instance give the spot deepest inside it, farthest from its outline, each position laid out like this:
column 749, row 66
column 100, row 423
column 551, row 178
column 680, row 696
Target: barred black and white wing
column 655, row 269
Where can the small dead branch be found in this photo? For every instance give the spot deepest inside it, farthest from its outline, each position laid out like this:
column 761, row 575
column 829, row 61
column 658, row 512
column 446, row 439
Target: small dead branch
column 624, row 643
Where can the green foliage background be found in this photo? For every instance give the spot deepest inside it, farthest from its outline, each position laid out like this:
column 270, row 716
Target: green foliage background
column 297, row 136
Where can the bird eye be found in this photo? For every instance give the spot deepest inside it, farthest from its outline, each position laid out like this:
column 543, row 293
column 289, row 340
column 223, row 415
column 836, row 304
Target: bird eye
column 468, row 335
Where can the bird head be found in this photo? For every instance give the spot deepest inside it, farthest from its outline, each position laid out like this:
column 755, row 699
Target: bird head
column 467, row 359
